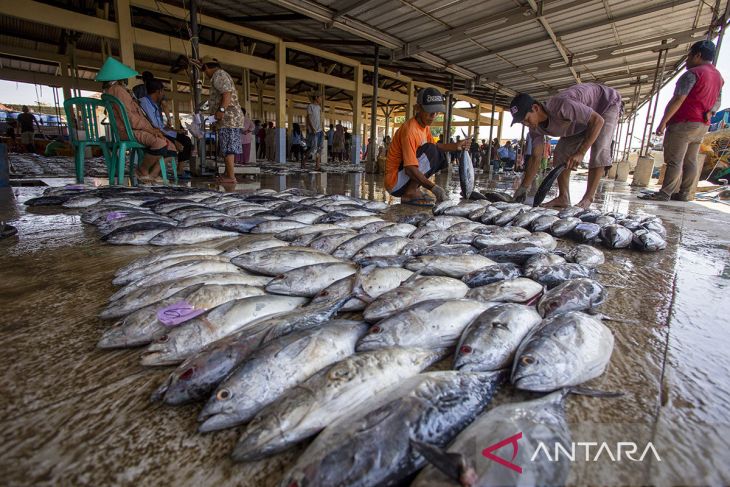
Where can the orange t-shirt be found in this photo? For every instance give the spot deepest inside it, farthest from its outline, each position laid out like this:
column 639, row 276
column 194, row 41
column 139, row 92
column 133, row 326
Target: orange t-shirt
column 406, row 141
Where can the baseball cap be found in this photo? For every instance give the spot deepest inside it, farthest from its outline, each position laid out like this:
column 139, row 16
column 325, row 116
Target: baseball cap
column 431, row 100
column 520, row 106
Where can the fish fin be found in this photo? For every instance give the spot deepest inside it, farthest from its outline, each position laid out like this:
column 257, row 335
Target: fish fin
column 413, row 277
column 586, row 391
column 357, row 290
column 453, row 465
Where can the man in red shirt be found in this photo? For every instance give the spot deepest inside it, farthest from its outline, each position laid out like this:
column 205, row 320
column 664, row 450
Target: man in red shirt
column 413, row 157
column 686, row 120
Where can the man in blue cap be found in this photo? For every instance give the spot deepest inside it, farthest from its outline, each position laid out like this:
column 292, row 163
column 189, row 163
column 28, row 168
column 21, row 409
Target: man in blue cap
column 584, row 116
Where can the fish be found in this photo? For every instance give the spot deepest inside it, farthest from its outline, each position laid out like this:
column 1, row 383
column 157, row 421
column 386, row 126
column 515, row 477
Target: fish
column 517, row 290
column 158, row 256
column 349, row 248
column 277, row 226
column 81, row 201
column 516, row 252
column 246, row 246
column 616, row 236
column 357, row 222
column 541, row 260
column 273, row 262
column 524, row 220
column 329, row 242
column 434, row 324
column 277, row 367
column 464, row 208
column 180, row 343
column 509, row 232
column 604, row 220
column 383, row 247
column 139, row 273
column 237, row 223
column 461, row 238
column 541, row 239
column 327, row 396
column 564, row 226
column 138, row 234
column 490, row 212
column 307, row 281
column 463, row 462
column 466, row 174
column 543, row 223
column 590, row 216
column 367, row 285
column 295, row 233
column 397, row 230
column 465, row 227
column 450, row 266
column 124, row 304
column 585, row 255
column 189, row 235
column 144, row 326
column 439, row 208
column 585, row 232
column 446, row 249
column 477, row 214
column 374, row 445
column 648, row 240
column 416, row 220
column 629, row 223
column 579, row 294
column 491, row 274
column 507, row 216
column 413, row 291
column 554, row 275
column 571, row 212
column 541, row 364
column 375, row 227
column 490, row 341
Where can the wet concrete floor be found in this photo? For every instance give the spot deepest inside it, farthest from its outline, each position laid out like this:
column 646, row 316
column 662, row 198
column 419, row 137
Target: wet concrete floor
column 71, row 414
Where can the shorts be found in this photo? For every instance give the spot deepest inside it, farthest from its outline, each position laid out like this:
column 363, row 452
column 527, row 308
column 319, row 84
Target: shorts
column 601, row 153
column 229, row 141
column 26, row 138
column 430, row 161
column 314, row 141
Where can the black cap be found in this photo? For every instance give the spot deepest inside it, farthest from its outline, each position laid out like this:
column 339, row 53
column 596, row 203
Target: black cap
column 431, row 100
column 520, row 106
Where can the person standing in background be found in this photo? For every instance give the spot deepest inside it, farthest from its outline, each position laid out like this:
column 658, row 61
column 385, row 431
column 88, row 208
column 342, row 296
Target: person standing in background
column 314, row 131
column 330, row 142
column 27, row 129
column 338, row 142
column 261, row 140
column 247, row 136
column 296, row 143
column 686, row 121
column 270, row 142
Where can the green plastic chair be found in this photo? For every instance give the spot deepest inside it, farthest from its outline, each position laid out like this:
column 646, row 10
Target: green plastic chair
column 81, row 116
column 130, row 144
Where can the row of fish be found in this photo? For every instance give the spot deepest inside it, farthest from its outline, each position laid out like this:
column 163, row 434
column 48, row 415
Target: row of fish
column 253, row 323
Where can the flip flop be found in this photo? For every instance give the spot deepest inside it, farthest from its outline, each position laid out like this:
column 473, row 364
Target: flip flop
column 418, row 202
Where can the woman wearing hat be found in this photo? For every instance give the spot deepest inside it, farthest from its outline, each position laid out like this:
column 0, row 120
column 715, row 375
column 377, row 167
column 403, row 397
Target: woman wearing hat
column 113, row 76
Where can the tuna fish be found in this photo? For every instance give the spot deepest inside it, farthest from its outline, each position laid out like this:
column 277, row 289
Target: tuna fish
column 542, row 260
column 350, row 247
column 554, row 275
column 466, row 174
column 616, row 236
column 543, row 223
column 648, row 241
column 491, row 274
column 274, row 369
column 541, row 364
column 451, row 266
column 309, row 280
column 517, row 252
column 564, row 226
column 369, row 284
column 586, row 232
column 434, row 324
column 374, row 445
column 574, row 295
column 518, row 290
column 189, row 235
column 491, row 340
column 329, row 395
column 585, row 255
column 541, row 239
column 272, row 262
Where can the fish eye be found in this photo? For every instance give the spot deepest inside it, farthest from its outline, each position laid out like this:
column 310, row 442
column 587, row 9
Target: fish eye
column 187, row 374
column 163, row 339
column 466, row 349
column 375, row 329
column 223, row 395
column 528, row 360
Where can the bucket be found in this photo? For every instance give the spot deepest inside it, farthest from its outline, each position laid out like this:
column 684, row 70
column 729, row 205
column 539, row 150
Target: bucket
column 642, row 173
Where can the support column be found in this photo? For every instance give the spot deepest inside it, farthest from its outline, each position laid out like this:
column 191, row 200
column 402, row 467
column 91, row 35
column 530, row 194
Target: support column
column 478, row 120
column 280, row 102
column 175, row 104
column 491, row 128
column 411, row 100
column 653, row 100
column 126, row 36
column 499, row 129
column 374, row 112
column 447, row 115
column 65, row 84
column 197, row 167
column 357, row 117
column 260, row 95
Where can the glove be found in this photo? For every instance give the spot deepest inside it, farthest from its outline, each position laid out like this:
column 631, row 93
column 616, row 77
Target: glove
column 439, row 193
column 520, row 195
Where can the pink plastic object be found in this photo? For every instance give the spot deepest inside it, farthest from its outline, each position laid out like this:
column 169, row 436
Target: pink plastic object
column 177, row 313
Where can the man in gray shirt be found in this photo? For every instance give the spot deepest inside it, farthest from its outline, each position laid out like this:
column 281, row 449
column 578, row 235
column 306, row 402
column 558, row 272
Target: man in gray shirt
column 314, row 130
column 584, row 116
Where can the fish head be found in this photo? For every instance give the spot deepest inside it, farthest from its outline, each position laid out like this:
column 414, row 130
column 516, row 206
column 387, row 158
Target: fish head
column 169, row 349
column 114, row 337
column 376, row 338
column 542, row 366
column 220, row 411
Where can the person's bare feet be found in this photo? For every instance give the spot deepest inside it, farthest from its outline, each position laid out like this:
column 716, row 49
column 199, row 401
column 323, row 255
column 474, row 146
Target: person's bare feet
column 585, row 203
column 558, row 202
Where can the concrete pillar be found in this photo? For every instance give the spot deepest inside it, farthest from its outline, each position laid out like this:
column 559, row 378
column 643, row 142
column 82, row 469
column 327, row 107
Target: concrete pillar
column 478, row 120
column 65, row 81
column 499, row 129
column 126, row 34
column 280, row 102
column 357, row 117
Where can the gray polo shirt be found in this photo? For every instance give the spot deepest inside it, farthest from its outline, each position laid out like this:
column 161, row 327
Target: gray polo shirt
column 569, row 111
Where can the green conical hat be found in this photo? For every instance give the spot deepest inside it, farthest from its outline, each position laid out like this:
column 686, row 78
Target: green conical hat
column 113, row 70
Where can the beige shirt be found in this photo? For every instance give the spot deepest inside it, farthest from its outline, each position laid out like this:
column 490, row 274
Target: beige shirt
column 221, row 82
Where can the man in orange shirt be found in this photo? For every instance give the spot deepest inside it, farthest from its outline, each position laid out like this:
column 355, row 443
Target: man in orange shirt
column 413, row 157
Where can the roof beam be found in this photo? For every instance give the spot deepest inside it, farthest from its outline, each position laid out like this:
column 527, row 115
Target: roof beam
column 616, row 18
column 558, row 45
column 268, row 18
column 345, row 7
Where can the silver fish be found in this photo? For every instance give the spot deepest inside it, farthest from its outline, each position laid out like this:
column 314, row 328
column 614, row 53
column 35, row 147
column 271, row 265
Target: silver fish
column 246, row 246
column 543, row 223
column 349, row 248
column 272, row 262
column 575, row 295
column 586, row 255
column 564, row 226
column 541, row 239
column 327, row 396
column 648, row 240
column 156, row 257
column 310, row 280
column 139, row 273
column 554, row 275
column 466, row 174
column 491, row 274
column 491, row 340
column 277, row 367
column 541, row 364
column 383, row 247
column 616, row 236
column 542, row 260
column 450, row 266
column 518, row 290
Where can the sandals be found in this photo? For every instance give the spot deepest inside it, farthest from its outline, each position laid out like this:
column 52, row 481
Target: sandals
column 657, row 196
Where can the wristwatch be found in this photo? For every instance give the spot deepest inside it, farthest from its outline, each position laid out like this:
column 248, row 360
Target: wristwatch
column 221, row 109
